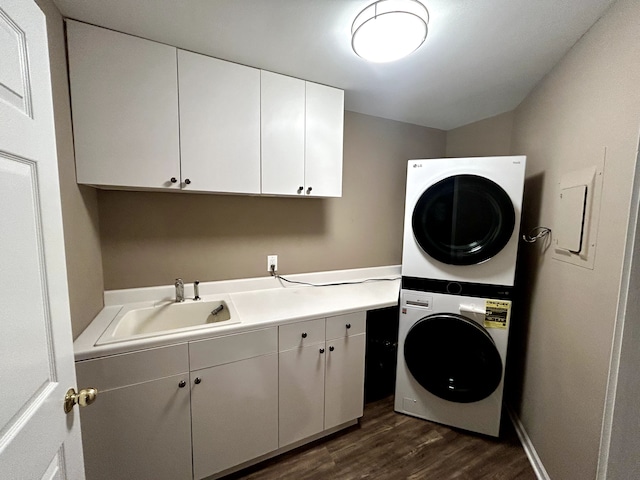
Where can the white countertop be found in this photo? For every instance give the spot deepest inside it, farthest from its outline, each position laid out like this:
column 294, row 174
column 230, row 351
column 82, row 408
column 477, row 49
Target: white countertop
column 258, row 302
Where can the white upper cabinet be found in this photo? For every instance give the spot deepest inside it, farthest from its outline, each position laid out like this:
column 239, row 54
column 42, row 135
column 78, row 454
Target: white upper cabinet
column 302, row 135
column 282, row 120
column 219, row 125
column 324, row 129
column 149, row 116
column 124, row 98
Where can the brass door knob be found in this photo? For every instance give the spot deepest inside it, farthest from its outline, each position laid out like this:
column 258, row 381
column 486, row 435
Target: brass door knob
column 84, row 397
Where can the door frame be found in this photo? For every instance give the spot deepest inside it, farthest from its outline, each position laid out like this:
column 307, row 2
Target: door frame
column 623, row 387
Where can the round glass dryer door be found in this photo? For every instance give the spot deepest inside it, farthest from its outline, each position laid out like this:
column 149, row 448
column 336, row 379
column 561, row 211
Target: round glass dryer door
column 453, row 357
column 463, row 220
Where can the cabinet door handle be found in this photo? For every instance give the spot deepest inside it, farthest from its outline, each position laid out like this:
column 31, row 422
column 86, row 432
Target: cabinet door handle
column 174, row 180
column 300, row 189
column 331, row 349
column 304, row 334
column 187, row 181
column 348, row 325
column 197, row 380
column 309, row 190
column 322, row 350
column 182, row 384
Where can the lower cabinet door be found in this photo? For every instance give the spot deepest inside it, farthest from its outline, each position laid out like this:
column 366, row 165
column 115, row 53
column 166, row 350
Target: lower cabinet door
column 344, row 380
column 140, row 431
column 234, row 410
column 301, row 393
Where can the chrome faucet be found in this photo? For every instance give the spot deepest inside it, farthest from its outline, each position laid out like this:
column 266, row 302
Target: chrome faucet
column 179, row 290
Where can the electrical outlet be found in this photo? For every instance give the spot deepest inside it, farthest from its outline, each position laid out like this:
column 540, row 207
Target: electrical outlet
column 272, row 260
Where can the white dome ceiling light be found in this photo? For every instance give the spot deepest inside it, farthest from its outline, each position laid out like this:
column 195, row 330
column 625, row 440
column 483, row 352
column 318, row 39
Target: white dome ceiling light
column 388, row 30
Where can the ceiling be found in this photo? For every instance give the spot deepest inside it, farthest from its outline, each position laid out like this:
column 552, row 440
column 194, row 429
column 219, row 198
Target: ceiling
column 481, row 57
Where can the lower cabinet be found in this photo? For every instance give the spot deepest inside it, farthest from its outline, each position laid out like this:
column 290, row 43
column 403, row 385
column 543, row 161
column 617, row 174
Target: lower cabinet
column 301, row 395
column 197, row 409
column 321, row 375
column 138, row 429
column 234, row 399
column 344, row 380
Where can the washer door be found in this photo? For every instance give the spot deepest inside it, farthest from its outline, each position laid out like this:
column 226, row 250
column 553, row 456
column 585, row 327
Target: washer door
column 453, row 357
column 463, row 220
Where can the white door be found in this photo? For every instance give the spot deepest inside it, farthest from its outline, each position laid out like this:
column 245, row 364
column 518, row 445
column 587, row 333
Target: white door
column 324, row 127
column 219, row 124
column 301, row 393
column 124, row 98
column 282, row 134
column 235, row 413
column 344, row 380
column 37, row 439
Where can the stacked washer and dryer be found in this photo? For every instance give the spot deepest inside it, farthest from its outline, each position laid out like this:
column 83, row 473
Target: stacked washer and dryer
column 461, row 229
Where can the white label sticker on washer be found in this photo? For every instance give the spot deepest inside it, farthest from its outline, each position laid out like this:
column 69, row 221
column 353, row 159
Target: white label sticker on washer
column 497, row 313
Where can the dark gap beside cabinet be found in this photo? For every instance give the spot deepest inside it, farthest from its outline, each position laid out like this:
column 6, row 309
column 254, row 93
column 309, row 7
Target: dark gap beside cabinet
column 381, row 356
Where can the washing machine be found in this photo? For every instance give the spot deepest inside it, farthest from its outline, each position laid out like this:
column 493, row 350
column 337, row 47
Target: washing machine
column 452, row 352
column 462, row 218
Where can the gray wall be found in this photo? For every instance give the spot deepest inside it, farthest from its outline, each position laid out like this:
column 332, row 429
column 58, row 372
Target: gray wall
column 560, row 351
column 588, row 103
column 485, row 138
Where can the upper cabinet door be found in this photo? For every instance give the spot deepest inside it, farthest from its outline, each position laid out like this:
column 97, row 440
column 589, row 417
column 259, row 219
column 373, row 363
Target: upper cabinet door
column 124, row 99
column 219, row 124
column 324, row 136
column 282, row 127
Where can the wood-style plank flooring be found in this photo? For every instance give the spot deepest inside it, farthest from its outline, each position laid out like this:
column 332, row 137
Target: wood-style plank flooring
column 387, row 445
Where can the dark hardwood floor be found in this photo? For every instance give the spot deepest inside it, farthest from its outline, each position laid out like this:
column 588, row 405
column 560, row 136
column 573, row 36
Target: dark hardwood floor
column 388, row 445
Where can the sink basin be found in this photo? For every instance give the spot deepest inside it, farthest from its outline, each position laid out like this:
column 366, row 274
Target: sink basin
column 168, row 317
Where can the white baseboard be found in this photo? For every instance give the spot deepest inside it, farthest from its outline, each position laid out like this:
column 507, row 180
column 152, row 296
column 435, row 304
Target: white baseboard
column 529, row 449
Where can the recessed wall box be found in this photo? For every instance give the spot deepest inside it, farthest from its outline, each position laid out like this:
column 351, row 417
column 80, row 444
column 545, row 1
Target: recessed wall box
column 575, row 225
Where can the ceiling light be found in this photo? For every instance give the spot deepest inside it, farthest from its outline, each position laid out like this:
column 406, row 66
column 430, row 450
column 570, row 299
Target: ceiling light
column 388, row 30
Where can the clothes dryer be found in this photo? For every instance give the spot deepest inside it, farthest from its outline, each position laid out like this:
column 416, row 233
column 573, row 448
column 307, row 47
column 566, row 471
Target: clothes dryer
column 462, row 219
column 452, row 352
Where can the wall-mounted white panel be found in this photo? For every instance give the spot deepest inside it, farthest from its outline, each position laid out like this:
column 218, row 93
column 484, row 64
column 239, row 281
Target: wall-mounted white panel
column 569, row 232
column 577, row 211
